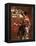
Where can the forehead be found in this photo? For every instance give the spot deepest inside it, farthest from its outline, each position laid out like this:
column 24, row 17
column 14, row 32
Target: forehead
column 26, row 18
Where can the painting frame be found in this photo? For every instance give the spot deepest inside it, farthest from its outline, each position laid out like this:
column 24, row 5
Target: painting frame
column 8, row 21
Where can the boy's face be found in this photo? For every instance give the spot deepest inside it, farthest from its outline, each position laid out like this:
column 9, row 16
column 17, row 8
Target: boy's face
column 26, row 23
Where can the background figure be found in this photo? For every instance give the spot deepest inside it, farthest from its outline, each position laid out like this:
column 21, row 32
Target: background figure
column 27, row 26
